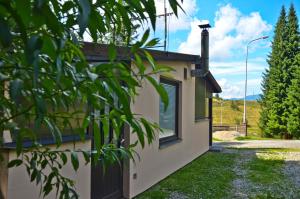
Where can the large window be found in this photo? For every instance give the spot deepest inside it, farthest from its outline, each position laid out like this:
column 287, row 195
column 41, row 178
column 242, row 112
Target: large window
column 168, row 118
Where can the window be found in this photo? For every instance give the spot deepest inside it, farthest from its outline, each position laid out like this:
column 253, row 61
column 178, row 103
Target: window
column 68, row 128
column 202, row 95
column 168, row 118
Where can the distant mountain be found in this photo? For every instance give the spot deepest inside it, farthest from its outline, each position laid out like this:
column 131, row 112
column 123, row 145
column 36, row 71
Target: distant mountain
column 248, row 98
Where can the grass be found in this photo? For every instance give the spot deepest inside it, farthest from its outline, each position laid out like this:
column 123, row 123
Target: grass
column 265, row 168
column 212, row 176
column 217, row 139
column 232, row 116
column 209, row 176
column 240, row 138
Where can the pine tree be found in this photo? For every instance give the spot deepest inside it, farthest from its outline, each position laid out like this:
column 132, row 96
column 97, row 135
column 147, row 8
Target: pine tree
column 292, row 102
column 270, row 120
column 290, row 64
column 281, row 82
column 293, row 123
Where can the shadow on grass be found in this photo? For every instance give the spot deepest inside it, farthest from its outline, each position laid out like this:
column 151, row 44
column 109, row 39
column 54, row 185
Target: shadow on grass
column 267, row 176
column 208, row 176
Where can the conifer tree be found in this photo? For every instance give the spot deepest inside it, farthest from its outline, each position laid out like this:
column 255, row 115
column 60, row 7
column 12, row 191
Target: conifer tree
column 290, row 64
column 281, row 82
column 293, row 123
column 270, row 120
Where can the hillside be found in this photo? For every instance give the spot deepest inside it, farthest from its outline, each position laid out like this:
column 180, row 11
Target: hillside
column 232, row 114
column 248, row 98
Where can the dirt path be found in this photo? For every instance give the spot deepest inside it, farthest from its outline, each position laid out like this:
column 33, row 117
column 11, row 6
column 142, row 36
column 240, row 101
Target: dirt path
column 226, row 135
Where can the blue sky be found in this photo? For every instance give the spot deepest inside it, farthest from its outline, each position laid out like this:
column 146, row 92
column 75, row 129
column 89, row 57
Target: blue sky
column 234, row 23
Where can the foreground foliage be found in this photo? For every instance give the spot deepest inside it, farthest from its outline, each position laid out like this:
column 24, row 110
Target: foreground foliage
column 47, row 85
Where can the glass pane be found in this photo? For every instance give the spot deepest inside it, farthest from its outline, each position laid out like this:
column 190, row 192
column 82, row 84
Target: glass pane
column 167, row 119
column 200, row 99
column 68, row 121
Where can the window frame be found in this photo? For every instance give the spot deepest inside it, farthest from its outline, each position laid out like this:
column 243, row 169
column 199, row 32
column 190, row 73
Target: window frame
column 174, row 137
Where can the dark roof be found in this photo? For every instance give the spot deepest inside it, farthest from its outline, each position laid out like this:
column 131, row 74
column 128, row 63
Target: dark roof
column 213, row 83
column 99, row 52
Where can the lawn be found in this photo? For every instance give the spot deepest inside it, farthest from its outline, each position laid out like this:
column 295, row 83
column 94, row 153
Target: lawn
column 235, row 173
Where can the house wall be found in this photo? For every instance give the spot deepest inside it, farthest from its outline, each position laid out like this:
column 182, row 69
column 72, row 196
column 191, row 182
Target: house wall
column 3, row 173
column 19, row 186
column 157, row 163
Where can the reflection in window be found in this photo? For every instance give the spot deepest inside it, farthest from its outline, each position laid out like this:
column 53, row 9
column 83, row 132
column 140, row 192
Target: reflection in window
column 168, row 117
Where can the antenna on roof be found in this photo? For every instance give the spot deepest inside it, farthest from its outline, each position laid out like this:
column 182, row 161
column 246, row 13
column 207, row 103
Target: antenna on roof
column 165, row 39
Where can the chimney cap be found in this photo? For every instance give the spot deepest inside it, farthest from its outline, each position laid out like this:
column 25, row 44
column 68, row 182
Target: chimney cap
column 205, row 26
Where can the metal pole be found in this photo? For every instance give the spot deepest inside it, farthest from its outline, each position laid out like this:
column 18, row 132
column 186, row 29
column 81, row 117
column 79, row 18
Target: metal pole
column 165, row 39
column 246, row 77
column 245, row 94
column 221, row 113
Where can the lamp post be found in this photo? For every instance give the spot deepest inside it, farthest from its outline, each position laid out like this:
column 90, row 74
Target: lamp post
column 221, row 118
column 245, row 116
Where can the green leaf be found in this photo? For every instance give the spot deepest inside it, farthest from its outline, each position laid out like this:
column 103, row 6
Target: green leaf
column 56, row 134
column 74, row 160
column 150, row 59
column 33, row 175
column 112, row 52
column 14, row 163
column 19, row 143
column 3, row 77
column 87, row 157
column 152, row 43
column 92, row 76
column 145, row 36
column 15, row 88
column 83, row 17
column 33, row 46
column 5, row 34
column 44, row 163
column 64, row 158
column 151, row 11
column 149, row 130
column 68, row 5
column 160, row 89
column 24, row 10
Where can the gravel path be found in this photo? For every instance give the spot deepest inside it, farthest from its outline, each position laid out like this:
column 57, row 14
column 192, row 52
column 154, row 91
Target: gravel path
column 241, row 184
column 294, row 144
column 286, row 188
column 292, row 167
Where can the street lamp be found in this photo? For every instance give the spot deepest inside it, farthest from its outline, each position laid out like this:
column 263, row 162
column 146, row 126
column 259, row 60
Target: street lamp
column 244, row 116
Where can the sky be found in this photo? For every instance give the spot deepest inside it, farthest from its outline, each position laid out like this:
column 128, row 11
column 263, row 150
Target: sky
column 234, row 23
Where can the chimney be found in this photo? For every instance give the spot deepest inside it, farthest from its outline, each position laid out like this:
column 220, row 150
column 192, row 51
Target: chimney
column 205, row 47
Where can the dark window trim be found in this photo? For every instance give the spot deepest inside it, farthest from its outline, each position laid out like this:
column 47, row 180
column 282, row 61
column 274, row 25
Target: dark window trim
column 47, row 141
column 175, row 137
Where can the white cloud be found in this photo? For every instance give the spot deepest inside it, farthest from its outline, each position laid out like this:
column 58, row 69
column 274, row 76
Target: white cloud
column 230, row 90
column 230, row 33
column 257, row 64
column 174, row 23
